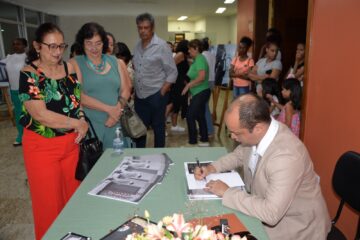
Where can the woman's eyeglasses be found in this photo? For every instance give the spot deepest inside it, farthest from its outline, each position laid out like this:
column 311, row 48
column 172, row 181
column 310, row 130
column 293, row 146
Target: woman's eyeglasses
column 89, row 44
column 53, row 46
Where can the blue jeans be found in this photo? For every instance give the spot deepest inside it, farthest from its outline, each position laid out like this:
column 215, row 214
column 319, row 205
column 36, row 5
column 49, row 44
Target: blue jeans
column 151, row 110
column 238, row 91
column 208, row 116
column 196, row 112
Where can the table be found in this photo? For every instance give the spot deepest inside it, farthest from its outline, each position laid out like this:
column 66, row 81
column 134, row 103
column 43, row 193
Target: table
column 95, row 216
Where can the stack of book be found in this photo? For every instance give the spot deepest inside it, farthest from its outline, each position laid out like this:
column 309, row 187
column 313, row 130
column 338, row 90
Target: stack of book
column 133, row 178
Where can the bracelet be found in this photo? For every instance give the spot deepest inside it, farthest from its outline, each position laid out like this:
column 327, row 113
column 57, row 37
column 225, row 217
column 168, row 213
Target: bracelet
column 81, row 114
column 122, row 100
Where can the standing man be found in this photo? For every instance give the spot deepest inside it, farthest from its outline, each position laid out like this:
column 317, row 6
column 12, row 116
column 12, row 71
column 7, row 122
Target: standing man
column 155, row 71
column 282, row 188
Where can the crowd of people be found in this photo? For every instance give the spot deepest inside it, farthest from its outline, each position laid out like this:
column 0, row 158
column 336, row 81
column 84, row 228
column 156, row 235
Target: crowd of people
column 52, row 98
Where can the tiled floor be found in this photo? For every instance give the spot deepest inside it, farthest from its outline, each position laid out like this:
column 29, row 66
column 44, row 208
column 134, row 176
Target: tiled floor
column 15, row 205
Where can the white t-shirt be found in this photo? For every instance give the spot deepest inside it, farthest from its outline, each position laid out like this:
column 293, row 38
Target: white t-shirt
column 14, row 63
column 263, row 66
column 210, row 58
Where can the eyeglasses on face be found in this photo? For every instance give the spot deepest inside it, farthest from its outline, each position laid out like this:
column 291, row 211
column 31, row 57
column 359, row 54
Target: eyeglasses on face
column 53, row 46
column 90, row 44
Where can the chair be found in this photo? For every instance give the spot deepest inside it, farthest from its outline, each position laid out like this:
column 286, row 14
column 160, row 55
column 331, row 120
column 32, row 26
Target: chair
column 346, row 183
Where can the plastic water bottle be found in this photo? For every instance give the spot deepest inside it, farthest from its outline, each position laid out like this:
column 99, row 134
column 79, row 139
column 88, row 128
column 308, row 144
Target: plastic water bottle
column 118, row 142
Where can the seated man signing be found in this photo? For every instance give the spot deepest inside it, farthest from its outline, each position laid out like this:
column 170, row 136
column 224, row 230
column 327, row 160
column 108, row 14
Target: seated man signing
column 282, row 189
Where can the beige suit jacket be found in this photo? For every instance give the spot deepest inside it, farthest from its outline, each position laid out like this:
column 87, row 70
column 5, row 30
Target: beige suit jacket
column 284, row 192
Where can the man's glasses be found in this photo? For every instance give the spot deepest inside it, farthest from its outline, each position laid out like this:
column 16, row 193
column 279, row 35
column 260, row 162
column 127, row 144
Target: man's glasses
column 53, row 46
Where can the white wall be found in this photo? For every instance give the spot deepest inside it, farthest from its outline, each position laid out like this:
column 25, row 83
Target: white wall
column 221, row 28
column 178, row 26
column 123, row 27
column 233, row 29
column 218, row 29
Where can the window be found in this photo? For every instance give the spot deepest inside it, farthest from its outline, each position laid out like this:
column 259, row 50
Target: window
column 8, row 11
column 9, row 33
column 50, row 18
column 32, row 17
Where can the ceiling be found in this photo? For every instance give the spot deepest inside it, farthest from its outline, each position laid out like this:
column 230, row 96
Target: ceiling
column 195, row 9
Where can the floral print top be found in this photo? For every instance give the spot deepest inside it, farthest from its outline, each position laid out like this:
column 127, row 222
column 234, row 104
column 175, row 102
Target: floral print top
column 60, row 95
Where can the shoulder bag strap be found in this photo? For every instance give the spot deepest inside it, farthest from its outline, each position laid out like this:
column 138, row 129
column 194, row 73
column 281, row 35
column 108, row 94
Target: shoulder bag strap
column 88, row 134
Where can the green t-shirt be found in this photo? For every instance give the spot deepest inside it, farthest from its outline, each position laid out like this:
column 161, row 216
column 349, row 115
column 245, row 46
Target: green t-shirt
column 199, row 63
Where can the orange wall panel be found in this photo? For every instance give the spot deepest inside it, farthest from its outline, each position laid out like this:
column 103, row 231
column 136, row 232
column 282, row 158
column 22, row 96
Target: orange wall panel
column 245, row 18
column 332, row 124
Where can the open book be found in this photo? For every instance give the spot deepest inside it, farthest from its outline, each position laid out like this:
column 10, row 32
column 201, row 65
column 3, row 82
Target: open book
column 195, row 188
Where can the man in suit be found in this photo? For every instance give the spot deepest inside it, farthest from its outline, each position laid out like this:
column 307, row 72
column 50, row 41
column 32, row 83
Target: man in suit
column 281, row 187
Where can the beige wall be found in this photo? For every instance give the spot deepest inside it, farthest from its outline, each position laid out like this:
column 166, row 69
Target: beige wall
column 123, row 27
column 218, row 29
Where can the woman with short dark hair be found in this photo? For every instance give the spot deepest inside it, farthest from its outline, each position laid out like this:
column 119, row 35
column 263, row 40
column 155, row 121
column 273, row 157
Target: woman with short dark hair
column 198, row 86
column 105, row 88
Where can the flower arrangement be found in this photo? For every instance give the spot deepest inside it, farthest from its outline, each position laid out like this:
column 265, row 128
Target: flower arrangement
column 175, row 228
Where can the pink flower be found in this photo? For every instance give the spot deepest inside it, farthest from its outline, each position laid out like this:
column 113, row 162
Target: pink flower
column 74, row 101
column 34, row 90
column 31, row 80
column 155, row 232
column 179, row 225
column 202, row 233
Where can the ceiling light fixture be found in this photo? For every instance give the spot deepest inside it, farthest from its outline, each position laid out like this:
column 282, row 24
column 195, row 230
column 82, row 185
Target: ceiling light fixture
column 182, row 18
column 229, row 1
column 220, row 10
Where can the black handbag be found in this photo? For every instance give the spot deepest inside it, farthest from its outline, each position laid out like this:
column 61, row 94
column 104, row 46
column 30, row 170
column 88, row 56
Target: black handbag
column 131, row 123
column 91, row 148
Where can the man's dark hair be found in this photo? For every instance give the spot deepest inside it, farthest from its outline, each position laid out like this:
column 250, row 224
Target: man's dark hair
column 22, row 40
column 252, row 110
column 88, row 31
column 145, row 17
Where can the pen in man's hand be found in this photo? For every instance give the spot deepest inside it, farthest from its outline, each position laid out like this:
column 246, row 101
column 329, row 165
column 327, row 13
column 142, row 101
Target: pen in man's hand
column 201, row 171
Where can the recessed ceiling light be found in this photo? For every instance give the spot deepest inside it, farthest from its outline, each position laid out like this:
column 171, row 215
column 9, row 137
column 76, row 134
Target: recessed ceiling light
column 182, row 18
column 229, row 1
column 220, row 10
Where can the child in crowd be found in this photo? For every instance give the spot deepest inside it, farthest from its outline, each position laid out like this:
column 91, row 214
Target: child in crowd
column 240, row 67
column 290, row 112
column 271, row 90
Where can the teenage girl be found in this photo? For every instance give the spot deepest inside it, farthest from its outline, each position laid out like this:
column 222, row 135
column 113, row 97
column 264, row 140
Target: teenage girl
column 240, row 67
column 290, row 112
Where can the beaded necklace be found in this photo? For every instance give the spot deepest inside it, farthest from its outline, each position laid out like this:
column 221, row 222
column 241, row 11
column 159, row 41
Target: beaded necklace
column 97, row 68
